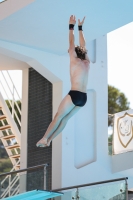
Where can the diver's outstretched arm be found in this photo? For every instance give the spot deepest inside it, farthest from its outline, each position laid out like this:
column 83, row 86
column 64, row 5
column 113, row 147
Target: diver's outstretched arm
column 81, row 35
column 72, row 22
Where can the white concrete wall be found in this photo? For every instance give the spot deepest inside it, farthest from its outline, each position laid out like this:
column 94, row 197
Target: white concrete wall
column 36, row 26
column 11, row 6
column 24, row 118
column 7, row 63
column 84, row 143
column 75, row 159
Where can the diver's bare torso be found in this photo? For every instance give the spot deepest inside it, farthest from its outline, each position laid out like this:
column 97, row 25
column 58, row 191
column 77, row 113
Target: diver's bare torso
column 79, row 73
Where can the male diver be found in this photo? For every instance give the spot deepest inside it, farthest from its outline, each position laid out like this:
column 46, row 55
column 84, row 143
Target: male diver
column 77, row 97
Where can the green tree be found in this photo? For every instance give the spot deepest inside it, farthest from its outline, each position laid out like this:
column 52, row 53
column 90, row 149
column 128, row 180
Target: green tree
column 117, row 102
column 5, row 162
column 3, row 153
column 5, row 165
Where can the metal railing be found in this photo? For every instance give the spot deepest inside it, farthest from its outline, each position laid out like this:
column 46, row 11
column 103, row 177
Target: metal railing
column 91, row 184
column 16, row 180
column 7, row 175
column 25, row 170
column 73, row 191
column 12, row 97
column 77, row 187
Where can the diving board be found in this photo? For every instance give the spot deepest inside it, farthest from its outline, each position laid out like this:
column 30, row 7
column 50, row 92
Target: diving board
column 35, row 194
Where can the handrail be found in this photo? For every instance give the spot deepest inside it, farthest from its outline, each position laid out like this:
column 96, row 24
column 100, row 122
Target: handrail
column 13, row 92
column 14, row 86
column 12, row 183
column 11, row 170
column 90, row 184
column 26, row 169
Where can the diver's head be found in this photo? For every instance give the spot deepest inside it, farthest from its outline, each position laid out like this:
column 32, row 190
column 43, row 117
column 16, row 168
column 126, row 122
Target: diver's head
column 80, row 51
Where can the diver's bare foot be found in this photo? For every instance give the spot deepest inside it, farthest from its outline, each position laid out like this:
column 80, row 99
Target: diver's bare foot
column 43, row 143
column 48, row 142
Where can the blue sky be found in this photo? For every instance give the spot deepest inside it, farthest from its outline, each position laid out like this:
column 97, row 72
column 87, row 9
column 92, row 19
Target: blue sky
column 120, row 60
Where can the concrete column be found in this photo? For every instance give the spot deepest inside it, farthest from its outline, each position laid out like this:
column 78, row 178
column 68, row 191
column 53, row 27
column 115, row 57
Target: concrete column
column 24, row 121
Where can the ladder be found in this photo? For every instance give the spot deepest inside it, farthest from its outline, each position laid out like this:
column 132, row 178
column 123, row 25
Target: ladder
column 10, row 137
column 10, row 132
column 9, row 140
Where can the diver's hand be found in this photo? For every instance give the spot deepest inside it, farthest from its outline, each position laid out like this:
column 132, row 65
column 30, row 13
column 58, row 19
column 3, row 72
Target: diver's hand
column 72, row 20
column 80, row 23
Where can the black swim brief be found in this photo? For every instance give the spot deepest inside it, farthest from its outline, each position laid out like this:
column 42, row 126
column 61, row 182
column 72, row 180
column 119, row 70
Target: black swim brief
column 78, row 98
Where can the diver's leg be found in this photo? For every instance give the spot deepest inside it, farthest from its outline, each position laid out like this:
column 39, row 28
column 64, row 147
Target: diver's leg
column 65, row 107
column 63, row 123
